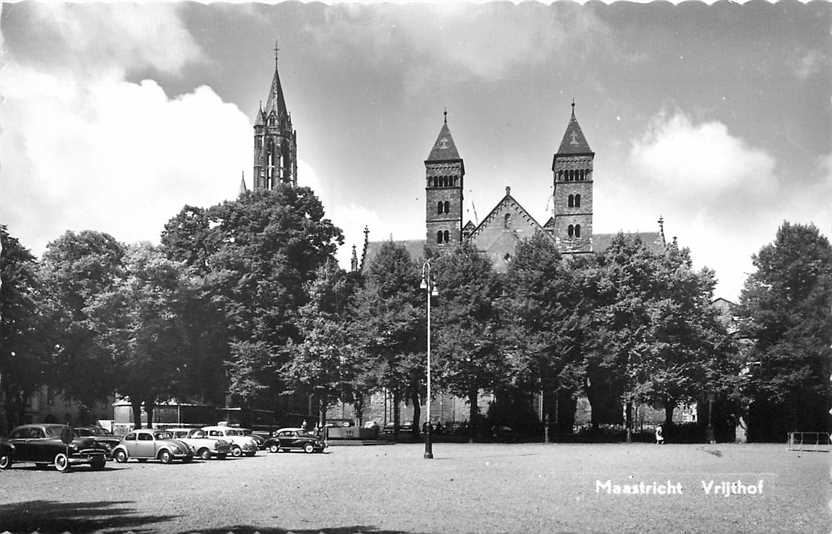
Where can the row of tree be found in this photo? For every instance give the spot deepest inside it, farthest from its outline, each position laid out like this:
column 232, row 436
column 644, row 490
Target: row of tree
column 243, row 303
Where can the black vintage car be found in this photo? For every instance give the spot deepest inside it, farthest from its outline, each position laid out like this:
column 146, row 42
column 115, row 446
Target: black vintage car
column 42, row 444
column 103, row 437
column 295, row 438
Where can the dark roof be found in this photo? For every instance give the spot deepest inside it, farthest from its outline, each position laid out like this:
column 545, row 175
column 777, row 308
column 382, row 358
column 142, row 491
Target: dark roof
column 276, row 101
column 444, row 149
column 653, row 240
column 414, row 247
column 573, row 142
column 550, row 223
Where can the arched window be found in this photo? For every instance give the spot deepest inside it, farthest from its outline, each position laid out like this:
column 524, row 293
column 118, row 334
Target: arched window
column 571, row 231
column 507, row 220
column 447, row 236
column 447, row 207
column 577, row 230
column 571, row 201
column 439, row 207
column 578, row 201
column 560, row 176
column 581, row 175
column 439, row 236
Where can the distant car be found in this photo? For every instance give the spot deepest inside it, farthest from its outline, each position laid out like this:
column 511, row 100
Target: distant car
column 295, row 438
column 42, row 445
column 503, row 433
column 240, row 443
column 201, row 445
column 261, row 441
column 102, row 436
column 147, row 444
column 403, row 428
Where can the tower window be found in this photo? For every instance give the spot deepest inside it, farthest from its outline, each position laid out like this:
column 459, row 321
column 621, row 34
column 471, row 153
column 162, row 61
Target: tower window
column 571, row 231
column 447, row 207
column 439, row 236
column 577, row 230
column 571, row 201
column 507, row 220
column 578, row 201
column 447, row 236
column 439, row 207
column 581, row 175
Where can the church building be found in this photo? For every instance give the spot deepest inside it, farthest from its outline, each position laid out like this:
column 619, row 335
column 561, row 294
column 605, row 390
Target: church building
column 569, row 227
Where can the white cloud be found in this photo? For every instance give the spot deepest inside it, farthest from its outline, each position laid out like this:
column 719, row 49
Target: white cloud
column 716, row 192
column 85, row 149
column 483, row 41
column 701, row 159
column 101, row 37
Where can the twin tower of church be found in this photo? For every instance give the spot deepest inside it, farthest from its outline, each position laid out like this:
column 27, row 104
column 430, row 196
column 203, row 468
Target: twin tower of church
column 570, row 226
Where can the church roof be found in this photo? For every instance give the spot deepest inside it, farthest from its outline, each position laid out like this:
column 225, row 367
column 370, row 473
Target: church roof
column 444, row 149
column 414, row 247
column 574, row 142
column 276, row 102
column 652, row 240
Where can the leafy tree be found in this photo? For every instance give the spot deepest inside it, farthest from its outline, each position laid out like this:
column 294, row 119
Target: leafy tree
column 76, row 269
column 655, row 328
column 544, row 311
column 256, row 256
column 139, row 323
column 389, row 327
column 22, row 345
column 786, row 314
column 324, row 361
column 468, row 343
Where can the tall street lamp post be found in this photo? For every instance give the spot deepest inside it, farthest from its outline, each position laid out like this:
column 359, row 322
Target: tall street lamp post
column 430, row 291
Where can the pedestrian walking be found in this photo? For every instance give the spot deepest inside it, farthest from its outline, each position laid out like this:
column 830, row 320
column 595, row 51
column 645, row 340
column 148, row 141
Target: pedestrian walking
column 659, row 435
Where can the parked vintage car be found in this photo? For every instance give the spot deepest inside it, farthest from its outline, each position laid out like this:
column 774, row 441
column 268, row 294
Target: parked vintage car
column 44, row 444
column 295, row 438
column 202, row 445
column 101, row 436
column 147, row 444
column 256, row 436
column 240, row 443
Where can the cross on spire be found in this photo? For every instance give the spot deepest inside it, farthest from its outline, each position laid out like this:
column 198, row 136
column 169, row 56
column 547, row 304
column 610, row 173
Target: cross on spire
column 276, row 52
column 573, row 107
column 445, row 113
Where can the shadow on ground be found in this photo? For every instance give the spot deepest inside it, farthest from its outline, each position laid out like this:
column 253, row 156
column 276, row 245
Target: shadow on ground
column 76, row 517
column 247, row 529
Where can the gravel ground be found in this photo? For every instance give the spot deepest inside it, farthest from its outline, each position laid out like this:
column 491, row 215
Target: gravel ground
column 466, row 488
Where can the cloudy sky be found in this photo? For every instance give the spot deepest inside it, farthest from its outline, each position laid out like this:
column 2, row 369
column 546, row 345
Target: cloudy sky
column 718, row 118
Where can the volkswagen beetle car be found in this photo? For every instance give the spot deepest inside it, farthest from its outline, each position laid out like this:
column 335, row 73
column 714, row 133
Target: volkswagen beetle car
column 147, row 444
column 240, row 443
column 202, row 445
column 295, row 438
column 44, row 444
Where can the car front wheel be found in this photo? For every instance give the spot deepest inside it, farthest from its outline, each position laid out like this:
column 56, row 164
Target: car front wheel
column 121, row 456
column 5, row 461
column 205, row 454
column 165, row 457
column 61, row 462
column 308, row 448
column 274, row 448
column 236, row 451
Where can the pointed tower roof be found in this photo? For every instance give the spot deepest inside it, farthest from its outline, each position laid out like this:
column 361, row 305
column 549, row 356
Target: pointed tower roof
column 243, row 188
column 573, row 142
column 444, row 149
column 276, row 102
